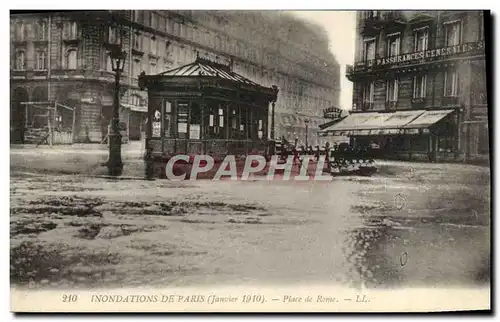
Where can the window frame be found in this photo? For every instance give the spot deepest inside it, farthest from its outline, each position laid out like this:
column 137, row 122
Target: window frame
column 20, row 31
column 420, row 86
column 369, row 88
column 366, row 41
column 394, row 36
column 17, row 60
column 447, row 25
column 39, row 55
column 416, row 38
column 455, row 83
column 392, row 87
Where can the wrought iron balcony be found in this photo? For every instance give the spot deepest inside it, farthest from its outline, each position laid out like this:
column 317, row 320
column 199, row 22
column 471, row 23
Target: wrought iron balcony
column 366, row 106
column 418, row 102
column 372, row 22
column 391, row 105
column 450, row 101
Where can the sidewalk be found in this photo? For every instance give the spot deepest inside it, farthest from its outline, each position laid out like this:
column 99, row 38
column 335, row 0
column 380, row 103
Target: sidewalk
column 82, row 159
column 132, row 148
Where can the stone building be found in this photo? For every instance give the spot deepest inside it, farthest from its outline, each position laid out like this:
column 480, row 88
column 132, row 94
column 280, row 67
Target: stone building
column 419, row 85
column 63, row 57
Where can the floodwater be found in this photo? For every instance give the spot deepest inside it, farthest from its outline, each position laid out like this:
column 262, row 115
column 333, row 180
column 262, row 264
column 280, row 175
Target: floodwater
column 410, row 225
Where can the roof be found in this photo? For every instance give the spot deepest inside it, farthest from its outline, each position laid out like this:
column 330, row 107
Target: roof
column 205, row 67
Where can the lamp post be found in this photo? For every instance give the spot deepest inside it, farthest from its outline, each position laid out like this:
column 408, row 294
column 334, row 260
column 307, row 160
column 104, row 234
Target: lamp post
column 115, row 164
column 307, row 125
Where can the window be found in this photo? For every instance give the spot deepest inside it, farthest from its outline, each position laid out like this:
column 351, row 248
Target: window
column 20, row 31
column 421, row 39
column 136, row 100
column 138, row 41
column 419, row 86
column 167, row 119
column 452, row 33
column 152, row 68
column 71, row 30
column 42, row 30
column 114, row 35
column 182, row 119
column 167, row 48
column 71, row 59
column 369, row 49
column 20, row 60
column 234, row 119
column 450, row 83
column 136, row 68
column 153, row 20
column 393, row 44
column 392, row 90
column 221, row 117
column 368, row 92
column 109, row 65
column 153, row 48
column 41, row 60
column 370, row 14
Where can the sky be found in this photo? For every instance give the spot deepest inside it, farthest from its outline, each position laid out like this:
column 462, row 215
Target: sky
column 340, row 26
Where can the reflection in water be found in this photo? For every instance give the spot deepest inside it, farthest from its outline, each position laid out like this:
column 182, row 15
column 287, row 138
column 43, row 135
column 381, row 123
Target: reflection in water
column 351, row 231
column 366, row 252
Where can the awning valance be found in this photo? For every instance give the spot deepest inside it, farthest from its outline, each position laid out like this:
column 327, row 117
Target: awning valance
column 383, row 123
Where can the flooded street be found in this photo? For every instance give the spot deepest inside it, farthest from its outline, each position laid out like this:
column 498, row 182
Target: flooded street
column 409, row 225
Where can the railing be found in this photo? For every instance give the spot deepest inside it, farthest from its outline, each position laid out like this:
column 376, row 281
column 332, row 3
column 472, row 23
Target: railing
column 367, row 106
column 418, row 102
column 391, row 105
column 451, row 101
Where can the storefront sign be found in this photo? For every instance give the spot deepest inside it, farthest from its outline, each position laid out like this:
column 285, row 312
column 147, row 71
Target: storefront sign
column 423, row 56
column 332, row 112
column 194, row 131
column 156, row 129
column 182, row 127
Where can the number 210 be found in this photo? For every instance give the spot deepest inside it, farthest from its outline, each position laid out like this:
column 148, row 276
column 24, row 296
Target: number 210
column 69, row 298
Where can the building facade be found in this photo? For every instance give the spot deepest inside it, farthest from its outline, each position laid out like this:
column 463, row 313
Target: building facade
column 64, row 57
column 407, row 62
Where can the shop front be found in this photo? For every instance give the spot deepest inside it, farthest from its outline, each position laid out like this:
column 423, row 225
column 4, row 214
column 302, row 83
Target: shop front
column 426, row 135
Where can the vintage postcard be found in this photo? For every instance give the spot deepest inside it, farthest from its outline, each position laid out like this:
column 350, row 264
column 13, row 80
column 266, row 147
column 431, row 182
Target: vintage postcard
column 250, row 161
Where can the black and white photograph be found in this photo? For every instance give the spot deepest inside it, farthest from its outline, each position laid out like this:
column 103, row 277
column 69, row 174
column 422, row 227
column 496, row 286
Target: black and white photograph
column 306, row 161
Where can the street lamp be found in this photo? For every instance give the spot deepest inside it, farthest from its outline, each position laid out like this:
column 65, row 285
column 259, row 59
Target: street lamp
column 115, row 164
column 307, row 125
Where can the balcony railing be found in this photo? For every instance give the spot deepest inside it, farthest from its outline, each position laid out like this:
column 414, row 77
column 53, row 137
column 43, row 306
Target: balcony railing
column 391, row 105
column 366, row 106
column 450, row 101
column 418, row 102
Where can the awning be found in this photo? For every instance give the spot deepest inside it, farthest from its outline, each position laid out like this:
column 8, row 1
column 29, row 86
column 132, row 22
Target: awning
column 135, row 108
column 383, row 123
column 372, row 123
column 427, row 119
